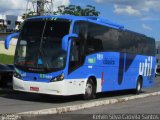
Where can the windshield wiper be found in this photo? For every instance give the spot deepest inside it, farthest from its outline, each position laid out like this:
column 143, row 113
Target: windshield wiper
column 41, row 51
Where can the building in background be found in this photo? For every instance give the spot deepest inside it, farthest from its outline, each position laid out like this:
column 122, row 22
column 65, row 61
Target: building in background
column 158, row 57
column 9, row 23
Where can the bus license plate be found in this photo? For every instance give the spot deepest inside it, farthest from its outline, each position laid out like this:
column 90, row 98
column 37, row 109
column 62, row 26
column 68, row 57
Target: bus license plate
column 34, row 88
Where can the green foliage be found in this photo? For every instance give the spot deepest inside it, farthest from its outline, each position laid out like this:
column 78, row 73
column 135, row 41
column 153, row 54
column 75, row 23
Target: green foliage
column 2, row 27
column 89, row 10
column 6, row 59
column 77, row 10
column 28, row 15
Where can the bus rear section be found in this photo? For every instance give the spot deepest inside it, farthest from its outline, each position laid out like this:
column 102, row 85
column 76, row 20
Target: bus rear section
column 116, row 58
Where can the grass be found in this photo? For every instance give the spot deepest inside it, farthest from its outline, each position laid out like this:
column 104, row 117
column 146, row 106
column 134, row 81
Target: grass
column 6, row 59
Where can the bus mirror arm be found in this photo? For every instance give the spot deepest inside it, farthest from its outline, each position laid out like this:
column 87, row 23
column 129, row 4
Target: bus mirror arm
column 8, row 39
column 65, row 40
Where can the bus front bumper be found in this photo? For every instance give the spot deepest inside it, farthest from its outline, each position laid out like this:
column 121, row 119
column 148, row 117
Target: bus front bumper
column 64, row 88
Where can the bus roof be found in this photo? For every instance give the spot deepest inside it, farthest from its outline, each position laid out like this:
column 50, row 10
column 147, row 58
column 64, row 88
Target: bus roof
column 85, row 18
column 93, row 19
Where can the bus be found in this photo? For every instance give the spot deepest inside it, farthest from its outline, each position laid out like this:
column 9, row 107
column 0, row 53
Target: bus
column 71, row 55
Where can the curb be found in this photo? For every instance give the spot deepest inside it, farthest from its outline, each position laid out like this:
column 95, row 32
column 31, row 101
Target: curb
column 65, row 109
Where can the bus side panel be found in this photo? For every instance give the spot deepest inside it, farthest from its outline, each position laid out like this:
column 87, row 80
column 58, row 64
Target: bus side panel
column 106, row 68
column 115, row 71
column 110, row 67
column 135, row 65
column 130, row 72
column 103, row 66
column 149, row 80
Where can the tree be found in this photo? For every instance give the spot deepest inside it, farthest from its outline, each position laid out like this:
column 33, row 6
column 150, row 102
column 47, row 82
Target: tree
column 69, row 10
column 3, row 27
column 29, row 14
column 77, row 10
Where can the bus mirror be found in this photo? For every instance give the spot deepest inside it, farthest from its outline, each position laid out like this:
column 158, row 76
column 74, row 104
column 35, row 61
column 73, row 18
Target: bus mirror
column 8, row 39
column 65, row 40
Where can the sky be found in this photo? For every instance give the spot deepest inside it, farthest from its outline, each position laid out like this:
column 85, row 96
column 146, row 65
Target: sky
column 142, row 16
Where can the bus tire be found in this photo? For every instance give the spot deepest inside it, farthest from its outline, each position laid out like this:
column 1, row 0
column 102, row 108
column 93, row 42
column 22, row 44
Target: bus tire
column 138, row 86
column 90, row 90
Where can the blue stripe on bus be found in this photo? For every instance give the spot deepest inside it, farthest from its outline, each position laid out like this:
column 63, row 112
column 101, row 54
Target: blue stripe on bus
column 121, row 68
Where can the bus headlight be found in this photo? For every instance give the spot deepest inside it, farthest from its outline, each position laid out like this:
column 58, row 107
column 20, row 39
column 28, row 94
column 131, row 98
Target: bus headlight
column 17, row 75
column 58, row 78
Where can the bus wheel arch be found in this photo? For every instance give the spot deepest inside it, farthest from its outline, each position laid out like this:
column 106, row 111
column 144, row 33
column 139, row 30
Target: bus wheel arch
column 90, row 88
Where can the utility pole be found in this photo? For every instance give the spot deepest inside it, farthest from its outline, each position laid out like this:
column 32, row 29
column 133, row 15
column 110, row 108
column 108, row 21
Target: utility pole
column 40, row 7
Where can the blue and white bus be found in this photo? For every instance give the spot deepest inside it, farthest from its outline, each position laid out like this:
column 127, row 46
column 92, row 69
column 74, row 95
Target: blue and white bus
column 70, row 55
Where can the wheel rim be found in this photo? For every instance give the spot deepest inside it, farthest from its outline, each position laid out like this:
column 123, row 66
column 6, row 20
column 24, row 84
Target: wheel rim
column 88, row 89
column 139, row 87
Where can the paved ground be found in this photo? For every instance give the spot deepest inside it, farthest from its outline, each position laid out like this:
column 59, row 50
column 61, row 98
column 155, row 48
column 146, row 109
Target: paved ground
column 149, row 105
column 139, row 108
column 14, row 102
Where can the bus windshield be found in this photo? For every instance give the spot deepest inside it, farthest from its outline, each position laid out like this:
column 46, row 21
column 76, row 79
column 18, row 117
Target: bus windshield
column 39, row 45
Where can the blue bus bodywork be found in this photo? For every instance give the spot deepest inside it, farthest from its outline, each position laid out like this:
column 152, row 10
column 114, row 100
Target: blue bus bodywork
column 109, row 70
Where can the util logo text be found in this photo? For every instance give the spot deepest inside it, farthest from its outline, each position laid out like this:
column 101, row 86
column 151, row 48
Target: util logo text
column 145, row 68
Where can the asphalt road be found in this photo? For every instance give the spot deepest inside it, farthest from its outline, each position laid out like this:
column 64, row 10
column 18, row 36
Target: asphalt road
column 139, row 109
column 14, row 102
column 148, row 105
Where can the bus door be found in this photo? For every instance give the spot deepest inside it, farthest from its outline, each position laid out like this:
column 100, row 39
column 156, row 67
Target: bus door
column 77, row 51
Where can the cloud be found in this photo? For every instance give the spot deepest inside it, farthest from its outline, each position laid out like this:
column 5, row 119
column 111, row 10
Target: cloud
column 150, row 18
column 136, row 7
column 146, row 27
column 126, row 10
column 99, row 1
column 151, row 5
column 125, row 2
column 12, row 6
column 18, row 7
column 57, row 3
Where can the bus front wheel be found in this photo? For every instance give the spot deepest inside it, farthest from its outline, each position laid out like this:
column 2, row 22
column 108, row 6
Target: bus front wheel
column 90, row 90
